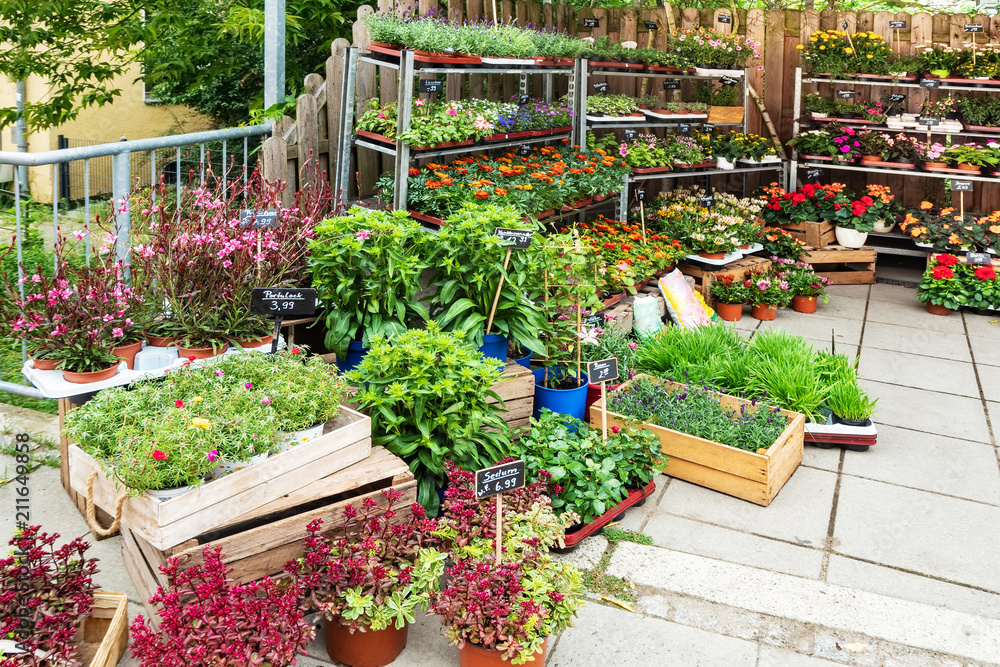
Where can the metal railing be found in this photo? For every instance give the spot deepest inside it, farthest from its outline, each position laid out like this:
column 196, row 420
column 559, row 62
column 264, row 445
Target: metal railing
column 124, row 155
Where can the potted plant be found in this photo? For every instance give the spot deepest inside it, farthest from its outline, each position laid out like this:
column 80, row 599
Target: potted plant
column 883, row 209
column 236, row 624
column 932, row 158
column 937, row 60
column 766, row 293
column 984, row 288
column 874, row 146
column 829, row 53
column 609, row 341
column 850, row 404
column 904, row 151
column 940, row 289
column 729, row 295
column 973, row 157
column 854, row 221
column 369, row 583
column 806, row 285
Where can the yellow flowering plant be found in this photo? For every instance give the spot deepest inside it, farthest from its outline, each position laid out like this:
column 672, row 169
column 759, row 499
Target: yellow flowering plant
column 833, row 52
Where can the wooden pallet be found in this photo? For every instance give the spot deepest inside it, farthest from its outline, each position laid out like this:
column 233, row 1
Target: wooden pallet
column 517, row 389
column 259, row 543
column 704, row 278
column 103, row 635
column 815, row 234
column 843, row 266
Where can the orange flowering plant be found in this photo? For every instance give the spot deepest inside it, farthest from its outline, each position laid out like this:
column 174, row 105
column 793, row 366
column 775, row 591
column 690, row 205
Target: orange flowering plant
column 623, row 256
column 946, row 228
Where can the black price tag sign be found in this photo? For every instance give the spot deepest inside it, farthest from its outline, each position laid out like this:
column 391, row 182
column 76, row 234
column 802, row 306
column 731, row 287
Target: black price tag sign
column 591, row 23
column 708, row 128
column 519, row 239
column 431, row 85
column 728, row 81
column 684, row 128
column 843, row 25
column 973, row 27
column 671, row 84
column 846, row 94
column 605, row 370
column 723, row 18
column 282, row 302
column 523, row 99
column 929, row 122
column 601, row 87
column 897, row 25
column 524, row 150
column 259, row 218
column 630, row 135
column 896, row 97
column 978, row 258
column 707, row 201
column 640, row 195
column 930, row 83
column 650, row 25
column 961, row 186
column 813, row 174
column 499, row 479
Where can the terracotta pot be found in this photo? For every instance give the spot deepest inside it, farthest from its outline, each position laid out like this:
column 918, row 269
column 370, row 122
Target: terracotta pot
column 763, row 311
column 45, row 364
column 474, row 656
column 869, row 159
column 90, row 376
column 804, row 304
column 161, row 341
column 374, row 648
column 934, row 309
column 730, row 312
column 200, row 352
column 544, row 214
column 936, row 165
column 968, row 167
column 376, row 137
column 127, row 352
column 251, row 344
column 425, row 217
column 711, row 255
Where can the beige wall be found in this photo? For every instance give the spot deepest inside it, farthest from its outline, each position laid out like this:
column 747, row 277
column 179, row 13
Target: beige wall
column 128, row 116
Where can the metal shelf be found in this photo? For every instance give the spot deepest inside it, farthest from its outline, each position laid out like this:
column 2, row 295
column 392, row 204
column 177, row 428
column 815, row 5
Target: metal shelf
column 477, row 147
column 885, row 128
column 610, row 125
column 658, row 75
column 984, row 87
column 707, row 172
column 473, row 69
column 900, row 172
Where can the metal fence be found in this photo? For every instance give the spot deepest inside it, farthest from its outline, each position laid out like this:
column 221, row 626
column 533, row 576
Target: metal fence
column 81, row 173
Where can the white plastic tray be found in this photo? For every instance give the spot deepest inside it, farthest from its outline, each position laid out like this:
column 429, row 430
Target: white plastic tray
column 731, row 257
column 841, row 429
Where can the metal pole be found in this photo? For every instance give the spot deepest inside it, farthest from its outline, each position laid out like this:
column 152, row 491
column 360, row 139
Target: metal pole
column 120, row 170
column 405, row 96
column 20, row 132
column 274, row 52
column 344, row 131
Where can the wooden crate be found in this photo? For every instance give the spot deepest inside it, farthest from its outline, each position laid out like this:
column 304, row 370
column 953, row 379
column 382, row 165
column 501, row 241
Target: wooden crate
column 516, row 387
column 103, row 635
column 815, row 234
column 259, row 543
column 704, row 278
column 843, row 266
column 747, row 475
column 345, row 441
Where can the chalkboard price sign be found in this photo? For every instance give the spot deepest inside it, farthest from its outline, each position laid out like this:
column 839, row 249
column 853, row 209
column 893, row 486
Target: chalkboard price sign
column 431, row 85
column 630, row 135
column 897, row 25
column 728, row 81
column 846, row 94
column 523, row 99
column 640, row 195
column 973, row 27
column 259, row 218
column 930, row 83
column 671, row 84
column 961, row 186
column 519, row 239
column 524, row 150
column 723, row 18
column 843, row 25
column 707, row 202
column 978, row 258
column 684, row 128
column 929, row 121
column 601, row 87
column 896, row 97
column 650, row 25
column 499, row 479
column 282, row 302
column 605, row 370
column 591, row 23
column 813, row 174
column 708, row 128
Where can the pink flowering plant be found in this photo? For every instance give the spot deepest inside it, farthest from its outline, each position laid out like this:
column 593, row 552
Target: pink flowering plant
column 766, row 287
column 702, row 47
column 206, row 618
column 379, row 570
column 45, row 593
column 801, row 277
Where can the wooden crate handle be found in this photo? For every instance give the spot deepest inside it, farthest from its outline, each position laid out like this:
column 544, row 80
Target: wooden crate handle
column 99, row 531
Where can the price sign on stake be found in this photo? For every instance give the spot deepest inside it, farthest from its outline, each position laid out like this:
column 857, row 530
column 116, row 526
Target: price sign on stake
column 515, row 238
column 640, row 195
column 708, row 128
column 684, row 128
column 961, row 186
column 813, row 174
column 603, row 371
column 650, row 25
column 929, row 121
column 707, row 202
column 523, row 99
column 601, row 87
column 725, row 19
column 431, row 85
column 259, row 218
column 728, row 81
column 495, row 481
column 978, row 258
column 591, row 23
column 897, row 25
column 896, row 97
column 930, row 83
column 524, row 150
column 846, row 94
column 630, row 135
column 671, row 84
column 280, row 303
column 973, row 27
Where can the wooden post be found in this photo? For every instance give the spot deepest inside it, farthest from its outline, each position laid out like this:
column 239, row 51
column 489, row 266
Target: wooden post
column 496, row 297
column 334, row 91
column 604, row 412
column 307, row 138
column 499, row 539
column 274, row 166
column 368, row 161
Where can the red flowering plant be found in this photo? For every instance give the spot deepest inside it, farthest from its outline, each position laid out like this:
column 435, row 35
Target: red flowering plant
column 811, row 202
column 45, row 593
column 944, row 284
column 727, row 289
column 512, row 606
column 207, row 618
column 984, row 287
column 381, row 568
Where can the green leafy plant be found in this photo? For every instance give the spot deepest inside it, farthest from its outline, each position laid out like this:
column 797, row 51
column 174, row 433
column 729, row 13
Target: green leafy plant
column 849, row 401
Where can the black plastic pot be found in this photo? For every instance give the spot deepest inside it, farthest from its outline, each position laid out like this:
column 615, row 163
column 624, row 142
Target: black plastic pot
column 837, row 419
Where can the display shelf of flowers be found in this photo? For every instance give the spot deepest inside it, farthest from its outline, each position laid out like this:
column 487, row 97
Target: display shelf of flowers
column 944, row 229
column 71, row 621
column 950, row 283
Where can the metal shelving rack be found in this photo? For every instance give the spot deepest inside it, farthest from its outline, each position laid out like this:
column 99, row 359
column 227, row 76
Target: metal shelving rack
column 404, row 94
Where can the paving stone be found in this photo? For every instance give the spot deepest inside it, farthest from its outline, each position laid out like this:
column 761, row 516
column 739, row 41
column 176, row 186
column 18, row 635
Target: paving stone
column 840, row 347
column 913, row 314
column 14, row 419
column 607, row 635
column 982, row 326
column 771, row 656
column 915, row 341
column 824, row 459
column 839, row 647
column 746, row 322
column 816, row 327
column 852, row 573
column 986, row 350
column 840, row 306
column 919, row 531
column 930, row 463
column 730, row 545
column 929, row 411
column 800, row 514
column 914, row 370
column 586, row 554
column 989, row 378
column 852, row 291
column 994, row 410
column 891, row 293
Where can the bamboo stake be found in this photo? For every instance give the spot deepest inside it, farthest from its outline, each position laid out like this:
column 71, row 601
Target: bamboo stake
column 499, row 521
column 496, row 297
column 604, row 412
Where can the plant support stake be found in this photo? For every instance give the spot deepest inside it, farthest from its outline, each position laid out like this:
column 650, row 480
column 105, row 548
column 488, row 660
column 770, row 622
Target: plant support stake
column 496, row 297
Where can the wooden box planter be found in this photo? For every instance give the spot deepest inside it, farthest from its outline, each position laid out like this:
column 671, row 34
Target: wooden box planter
column 517, row 389
column 747, row 475
column 259, row 543
column 705, row 278
column 843, row 266
column 103, row 635
column 345, row 441
column 815, row 234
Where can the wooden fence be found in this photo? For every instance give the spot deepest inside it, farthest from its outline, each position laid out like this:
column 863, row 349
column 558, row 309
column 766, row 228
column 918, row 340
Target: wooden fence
column 779, row 32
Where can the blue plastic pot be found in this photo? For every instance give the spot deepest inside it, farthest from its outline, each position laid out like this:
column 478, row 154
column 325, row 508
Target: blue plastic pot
column 525, row 361
column 570, row 402
column 494, row 347
column 355, row 353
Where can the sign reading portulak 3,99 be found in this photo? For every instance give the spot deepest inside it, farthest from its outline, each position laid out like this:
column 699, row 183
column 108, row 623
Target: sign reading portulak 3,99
column 282, row 302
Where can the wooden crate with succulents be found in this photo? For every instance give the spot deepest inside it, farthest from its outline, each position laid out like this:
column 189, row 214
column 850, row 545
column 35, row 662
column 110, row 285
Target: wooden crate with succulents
column 705, row 278
column 261, row 541
column 753, row 476
column 842, row 266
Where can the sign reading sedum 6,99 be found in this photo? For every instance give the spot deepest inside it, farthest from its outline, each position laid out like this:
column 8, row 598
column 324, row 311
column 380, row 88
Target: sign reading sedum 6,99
column 499, row 479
